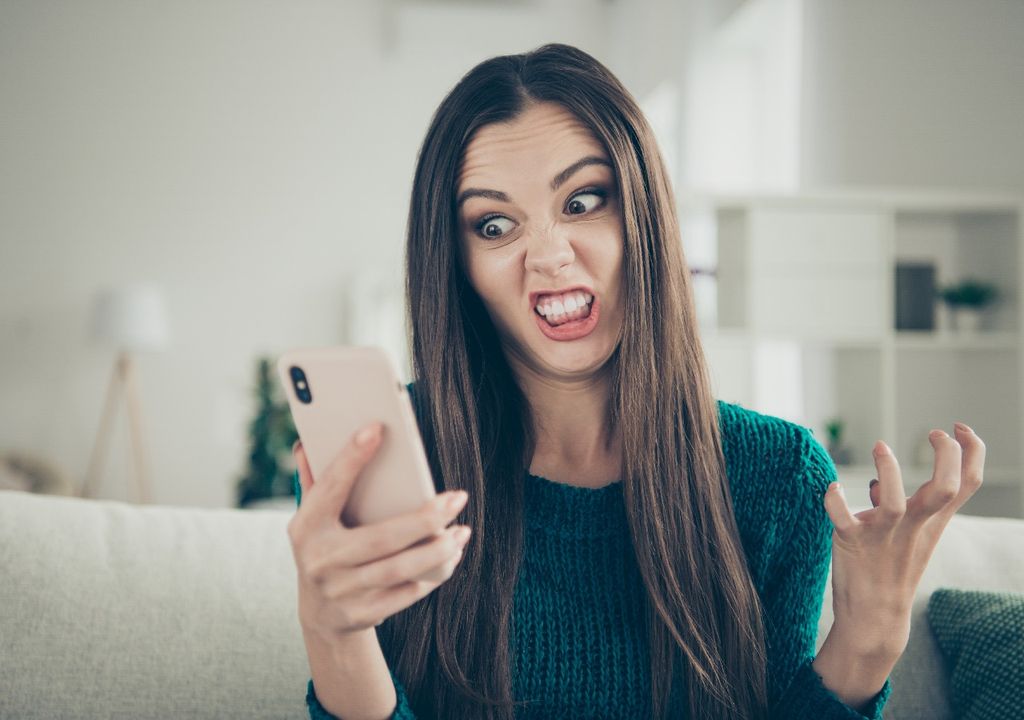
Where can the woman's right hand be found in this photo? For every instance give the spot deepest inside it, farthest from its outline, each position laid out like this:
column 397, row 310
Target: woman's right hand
column 351, row 579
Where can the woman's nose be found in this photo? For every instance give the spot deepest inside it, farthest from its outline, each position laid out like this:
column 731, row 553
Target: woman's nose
column 549, row 252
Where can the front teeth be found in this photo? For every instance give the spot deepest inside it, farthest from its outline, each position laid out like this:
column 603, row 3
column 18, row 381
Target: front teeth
column 573, row 302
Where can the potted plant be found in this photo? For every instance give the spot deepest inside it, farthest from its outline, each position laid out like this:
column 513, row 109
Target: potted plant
column 840, row 455
column 966, row 300
column 271, row 434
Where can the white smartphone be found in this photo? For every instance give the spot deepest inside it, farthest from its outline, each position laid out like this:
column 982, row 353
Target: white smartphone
column 333, row 392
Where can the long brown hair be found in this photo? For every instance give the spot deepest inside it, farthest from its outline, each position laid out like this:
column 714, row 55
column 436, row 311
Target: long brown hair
column 451, row 649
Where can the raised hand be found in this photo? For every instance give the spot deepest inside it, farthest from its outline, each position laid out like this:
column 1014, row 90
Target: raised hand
column 880, row 554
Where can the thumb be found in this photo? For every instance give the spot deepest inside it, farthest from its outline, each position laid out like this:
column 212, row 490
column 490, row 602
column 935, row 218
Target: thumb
column 340, row 475
column 838, row 511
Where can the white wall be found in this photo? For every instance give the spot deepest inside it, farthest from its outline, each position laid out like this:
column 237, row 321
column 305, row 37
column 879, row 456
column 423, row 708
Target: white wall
column 817, row 93
column 246, row 156
column 915, row 92
column 742, row 124
column 250, row 156
column 649, row 41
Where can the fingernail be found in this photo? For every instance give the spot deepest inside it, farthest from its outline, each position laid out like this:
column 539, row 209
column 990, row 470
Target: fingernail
column 462, row 534
column 963, row 427
column 296, row 445
column 882, row 449
column 457, row 500
column 364, row 436
column 935, row 434
column 837, row 486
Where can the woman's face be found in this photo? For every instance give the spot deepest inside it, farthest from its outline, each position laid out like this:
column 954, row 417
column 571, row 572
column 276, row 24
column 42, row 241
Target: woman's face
column 539, row 214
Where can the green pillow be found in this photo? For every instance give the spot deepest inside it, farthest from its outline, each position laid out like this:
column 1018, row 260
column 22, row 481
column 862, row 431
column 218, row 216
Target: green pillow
column 981, row 635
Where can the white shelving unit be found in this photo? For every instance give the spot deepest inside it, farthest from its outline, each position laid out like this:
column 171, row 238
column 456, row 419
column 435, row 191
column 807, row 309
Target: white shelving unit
column 798, row 321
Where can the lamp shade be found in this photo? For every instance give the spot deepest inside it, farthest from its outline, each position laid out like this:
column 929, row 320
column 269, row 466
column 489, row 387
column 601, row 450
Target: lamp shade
column 132, row 317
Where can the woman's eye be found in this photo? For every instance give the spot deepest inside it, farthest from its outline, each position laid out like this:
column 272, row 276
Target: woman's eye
column 496, row 226
column 490, row 227
column 578, row 207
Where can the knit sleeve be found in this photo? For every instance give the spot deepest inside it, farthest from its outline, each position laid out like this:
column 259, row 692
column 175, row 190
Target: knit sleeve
column 316, row 711
column 793, row 600
column 402, row 709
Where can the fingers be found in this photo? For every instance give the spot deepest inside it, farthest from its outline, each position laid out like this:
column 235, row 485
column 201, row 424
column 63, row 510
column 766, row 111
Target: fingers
column 887, row 497
column 383, row 539
column 387, row 537
column 937, row 494
column 915, row 523
column 972, row 466
column 892, row 499
column 444, row 550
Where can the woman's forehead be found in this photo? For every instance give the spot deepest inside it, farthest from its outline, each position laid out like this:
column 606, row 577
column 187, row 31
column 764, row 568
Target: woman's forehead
column 541, row 139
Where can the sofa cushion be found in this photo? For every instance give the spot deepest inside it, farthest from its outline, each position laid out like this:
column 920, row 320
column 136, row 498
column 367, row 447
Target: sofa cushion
column 981, row 635
column 119, row 610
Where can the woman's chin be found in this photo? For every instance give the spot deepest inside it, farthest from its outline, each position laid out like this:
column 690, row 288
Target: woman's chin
column 577, row 359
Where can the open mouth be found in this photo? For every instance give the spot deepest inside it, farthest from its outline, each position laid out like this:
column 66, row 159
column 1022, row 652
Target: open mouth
column 565, row 308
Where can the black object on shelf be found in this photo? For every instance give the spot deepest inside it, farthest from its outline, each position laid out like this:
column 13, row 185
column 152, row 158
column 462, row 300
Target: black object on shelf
column 915, row 296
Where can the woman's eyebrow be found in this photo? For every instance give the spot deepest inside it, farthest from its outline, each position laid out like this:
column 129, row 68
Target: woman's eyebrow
column 561, row 177
column 556, row 182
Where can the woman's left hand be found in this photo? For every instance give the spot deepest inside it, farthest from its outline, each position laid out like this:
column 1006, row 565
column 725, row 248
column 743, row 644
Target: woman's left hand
column 879, row 554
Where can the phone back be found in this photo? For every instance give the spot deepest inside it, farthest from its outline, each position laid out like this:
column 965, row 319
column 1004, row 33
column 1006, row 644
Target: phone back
column 335, row 391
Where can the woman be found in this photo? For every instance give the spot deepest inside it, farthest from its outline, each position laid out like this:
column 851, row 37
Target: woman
column 638, row 549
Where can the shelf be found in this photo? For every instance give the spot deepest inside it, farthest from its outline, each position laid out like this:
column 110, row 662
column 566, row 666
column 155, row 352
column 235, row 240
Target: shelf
column 942, row 340
column 914, row 476
column 961, row 244
column 896, row 198
column 812, row 338
column 902, row 339
column 798, row 312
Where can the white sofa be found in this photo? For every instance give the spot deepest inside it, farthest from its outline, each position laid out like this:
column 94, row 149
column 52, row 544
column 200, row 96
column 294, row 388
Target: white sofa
column 113, row 610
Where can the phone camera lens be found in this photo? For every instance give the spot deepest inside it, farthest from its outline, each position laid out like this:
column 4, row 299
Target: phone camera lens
column 301, row 386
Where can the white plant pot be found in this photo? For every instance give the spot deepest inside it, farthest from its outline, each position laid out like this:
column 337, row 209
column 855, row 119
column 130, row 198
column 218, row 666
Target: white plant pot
column 966, row 320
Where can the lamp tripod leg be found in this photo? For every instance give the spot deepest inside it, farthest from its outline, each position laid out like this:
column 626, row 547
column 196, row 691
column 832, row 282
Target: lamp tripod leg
column 135, row 426
column 102, row 442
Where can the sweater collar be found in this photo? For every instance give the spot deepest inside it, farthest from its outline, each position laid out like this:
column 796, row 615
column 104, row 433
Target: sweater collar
column 571, row 511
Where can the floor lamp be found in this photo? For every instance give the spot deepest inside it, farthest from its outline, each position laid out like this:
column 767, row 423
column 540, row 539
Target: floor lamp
column 131, row 319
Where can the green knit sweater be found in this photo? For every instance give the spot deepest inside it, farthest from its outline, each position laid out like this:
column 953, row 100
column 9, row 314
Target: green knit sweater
column 578, row 643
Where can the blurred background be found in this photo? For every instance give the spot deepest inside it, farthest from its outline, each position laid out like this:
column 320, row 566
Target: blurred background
column 187, row 189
